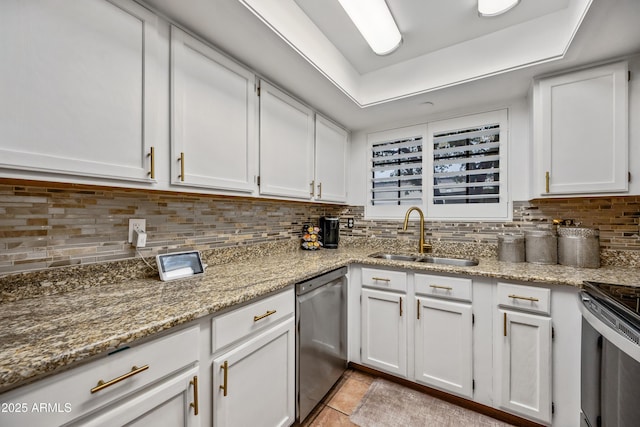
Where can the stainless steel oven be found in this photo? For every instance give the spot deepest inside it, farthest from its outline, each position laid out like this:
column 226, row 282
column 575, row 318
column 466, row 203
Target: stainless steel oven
column 610, row 369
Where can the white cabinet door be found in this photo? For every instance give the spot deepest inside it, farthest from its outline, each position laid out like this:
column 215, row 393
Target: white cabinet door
column 172, row 403
column 581, row 121
column 78, row 83
column 522, row 364
column 286, row 145
column 384, row 331
column 214, row 118
column 254, row 384
column 331, row 161
column 444, row 345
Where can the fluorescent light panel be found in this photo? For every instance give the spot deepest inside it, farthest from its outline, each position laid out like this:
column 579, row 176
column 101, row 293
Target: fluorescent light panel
column 495, row 7
column 375, row 22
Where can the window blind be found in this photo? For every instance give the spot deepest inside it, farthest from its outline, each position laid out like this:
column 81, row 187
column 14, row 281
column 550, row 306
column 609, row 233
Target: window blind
column 396, row 168
column 466, row 165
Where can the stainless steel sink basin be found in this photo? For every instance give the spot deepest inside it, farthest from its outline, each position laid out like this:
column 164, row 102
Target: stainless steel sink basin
column 461, row 262
column 395, row 257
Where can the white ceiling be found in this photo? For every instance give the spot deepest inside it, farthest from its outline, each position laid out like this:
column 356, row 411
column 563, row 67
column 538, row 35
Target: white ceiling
column 449, row 57
column 426, row 26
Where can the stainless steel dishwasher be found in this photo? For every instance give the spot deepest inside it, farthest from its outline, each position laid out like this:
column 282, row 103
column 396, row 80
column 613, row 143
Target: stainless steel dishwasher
column 321, row 352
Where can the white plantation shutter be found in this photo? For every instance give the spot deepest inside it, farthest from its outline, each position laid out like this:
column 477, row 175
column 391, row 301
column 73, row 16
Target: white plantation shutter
column 468, row 172
column 466, row 166
column 396, row 168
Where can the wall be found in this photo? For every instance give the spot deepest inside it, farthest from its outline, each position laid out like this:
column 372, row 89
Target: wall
column 48, row 225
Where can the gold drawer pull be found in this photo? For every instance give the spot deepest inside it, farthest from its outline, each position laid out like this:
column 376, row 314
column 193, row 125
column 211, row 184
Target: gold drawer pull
column 194, row 404
column 532, row 299
column 152, row 172
column 446, row 288
column 102, row 384
column 225, row 368
column 181, row 160
column 267, row 314
column 313, row 190
column 320, row 191
column 504, row 324
column 381, row 279
column 546, row 181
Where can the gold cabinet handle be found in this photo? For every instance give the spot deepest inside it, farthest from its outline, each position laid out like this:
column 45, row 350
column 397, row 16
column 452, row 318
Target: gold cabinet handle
column 194, row 404
column 313, row 188
column 418, row 308
column 152, row 171
column 380, row 279
column 546, row 181
column 446, row 288
column 267, row 314
column 504, row 326
column 320, row 191
column 102, row 384
column 181, row 160
column 532, row 299
column 225, row 368
column 400, row 306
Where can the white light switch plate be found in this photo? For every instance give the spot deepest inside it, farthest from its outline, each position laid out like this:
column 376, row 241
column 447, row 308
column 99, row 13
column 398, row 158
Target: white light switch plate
column 136, row 224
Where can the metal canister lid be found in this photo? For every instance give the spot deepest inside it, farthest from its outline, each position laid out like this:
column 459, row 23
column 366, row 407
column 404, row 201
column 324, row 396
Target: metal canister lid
column 577, row 232
column 539, row 233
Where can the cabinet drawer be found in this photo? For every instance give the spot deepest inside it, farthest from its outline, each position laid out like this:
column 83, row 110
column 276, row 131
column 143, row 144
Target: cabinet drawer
column 72, row 390
column 529, row 298
column 444, row 287
column 384, row 279
column 239, row 323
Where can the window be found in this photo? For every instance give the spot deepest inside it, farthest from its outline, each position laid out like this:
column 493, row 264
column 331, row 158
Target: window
column 468, row 171
column 396, row 171
column 453, row 169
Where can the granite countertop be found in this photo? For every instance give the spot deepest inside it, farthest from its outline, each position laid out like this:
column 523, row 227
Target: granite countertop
column 45, row 333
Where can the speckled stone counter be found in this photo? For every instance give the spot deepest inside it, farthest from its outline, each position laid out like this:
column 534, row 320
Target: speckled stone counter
column 53, row 319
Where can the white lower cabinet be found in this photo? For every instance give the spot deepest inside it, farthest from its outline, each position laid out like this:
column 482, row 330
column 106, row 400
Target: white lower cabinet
column 151, row 381
column 481, row 339
column 384, row 331
column 172, row 403
column 443, row 350
column 254, row 383
column 523, row 354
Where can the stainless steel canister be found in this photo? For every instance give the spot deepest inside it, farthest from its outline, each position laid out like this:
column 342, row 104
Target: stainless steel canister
column 511, row 247
column 579, row 247
column 541, row 246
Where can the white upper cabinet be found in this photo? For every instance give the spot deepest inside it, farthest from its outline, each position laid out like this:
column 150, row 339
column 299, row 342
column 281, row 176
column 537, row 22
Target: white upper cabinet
column 331, row 161
column 77, row 84
column 581, row 131
column 213, row 118
column 286, row 145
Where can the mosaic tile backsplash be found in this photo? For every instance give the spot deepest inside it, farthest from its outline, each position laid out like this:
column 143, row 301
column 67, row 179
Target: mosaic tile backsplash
column 45, row 225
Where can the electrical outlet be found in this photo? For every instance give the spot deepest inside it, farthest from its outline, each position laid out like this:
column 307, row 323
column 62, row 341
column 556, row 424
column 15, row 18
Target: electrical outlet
column 136, row 224
column 349, row 222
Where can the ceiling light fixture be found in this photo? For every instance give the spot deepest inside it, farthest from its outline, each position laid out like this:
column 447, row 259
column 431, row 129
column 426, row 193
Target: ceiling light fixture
column 375, row 22
column 495, row 7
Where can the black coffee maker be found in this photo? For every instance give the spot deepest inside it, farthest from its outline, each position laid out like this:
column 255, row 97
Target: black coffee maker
column 330, row 232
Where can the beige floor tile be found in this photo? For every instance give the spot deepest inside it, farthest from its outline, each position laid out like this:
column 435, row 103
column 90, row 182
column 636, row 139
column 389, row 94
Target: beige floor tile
column 362, row 376
column 348, row 395
column 330, row 417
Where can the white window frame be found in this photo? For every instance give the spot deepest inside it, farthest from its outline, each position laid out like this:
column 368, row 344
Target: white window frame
column 397, row 211
column 477, row 211
column 500, row 211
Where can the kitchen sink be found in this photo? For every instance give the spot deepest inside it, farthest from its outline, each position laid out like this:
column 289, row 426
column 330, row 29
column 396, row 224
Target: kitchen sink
column 461, row 262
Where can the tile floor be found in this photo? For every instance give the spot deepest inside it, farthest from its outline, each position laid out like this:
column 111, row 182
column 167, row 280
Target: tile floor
column 342, row 399
column 340, row 402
